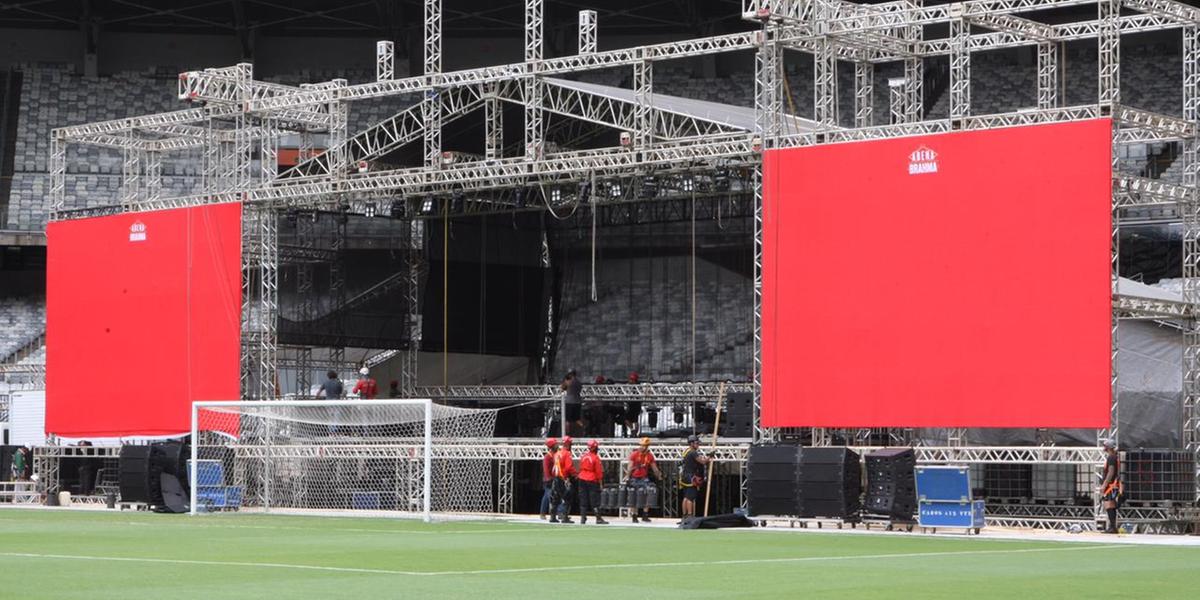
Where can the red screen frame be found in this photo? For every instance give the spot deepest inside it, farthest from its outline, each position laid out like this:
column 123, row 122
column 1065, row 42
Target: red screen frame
column 143, row 316
column 952, row 280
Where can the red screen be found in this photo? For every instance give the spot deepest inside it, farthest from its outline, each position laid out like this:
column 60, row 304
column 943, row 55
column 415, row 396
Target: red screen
column 142, row 317
column 954, row 280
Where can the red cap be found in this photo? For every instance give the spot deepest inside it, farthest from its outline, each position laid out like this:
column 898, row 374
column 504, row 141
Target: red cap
column 551, row 442
column 567, row 440
column 593, row 444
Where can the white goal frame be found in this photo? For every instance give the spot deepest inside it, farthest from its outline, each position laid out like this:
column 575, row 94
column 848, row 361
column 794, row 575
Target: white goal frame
column 426, row 403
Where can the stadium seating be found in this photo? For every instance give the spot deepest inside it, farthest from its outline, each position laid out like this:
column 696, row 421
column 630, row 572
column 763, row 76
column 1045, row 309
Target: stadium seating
column 21, row 320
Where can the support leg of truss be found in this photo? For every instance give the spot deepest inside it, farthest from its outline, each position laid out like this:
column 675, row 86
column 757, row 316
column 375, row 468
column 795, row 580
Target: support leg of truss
column 864, row 94
column 960, row 69
column 1191, row 247
column 1047, row 75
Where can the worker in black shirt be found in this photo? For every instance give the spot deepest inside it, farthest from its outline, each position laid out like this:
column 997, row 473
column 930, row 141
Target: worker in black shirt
column 572, row 389
column 691, row 475
column 1110, row 488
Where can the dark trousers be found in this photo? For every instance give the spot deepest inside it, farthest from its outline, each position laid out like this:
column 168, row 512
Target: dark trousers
column 547, row 489
column 589, row 498
column 562, row 495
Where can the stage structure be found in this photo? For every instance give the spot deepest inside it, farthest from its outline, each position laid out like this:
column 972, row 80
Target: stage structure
column 237, row 118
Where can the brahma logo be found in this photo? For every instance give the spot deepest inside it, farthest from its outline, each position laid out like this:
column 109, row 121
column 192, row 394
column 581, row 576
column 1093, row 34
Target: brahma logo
column 922, row 160
column 137, row 232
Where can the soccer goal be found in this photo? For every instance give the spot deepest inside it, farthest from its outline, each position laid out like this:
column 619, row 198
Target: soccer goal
column 311, row 456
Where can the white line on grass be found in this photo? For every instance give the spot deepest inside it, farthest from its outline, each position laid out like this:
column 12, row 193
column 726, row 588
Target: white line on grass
column 698, row 563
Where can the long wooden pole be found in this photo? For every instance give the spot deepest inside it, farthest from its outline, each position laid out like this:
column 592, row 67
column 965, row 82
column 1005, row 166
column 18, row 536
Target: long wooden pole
column 713, row 451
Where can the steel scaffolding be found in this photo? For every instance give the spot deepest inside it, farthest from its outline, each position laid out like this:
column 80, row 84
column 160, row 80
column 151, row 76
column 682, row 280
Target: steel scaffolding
column 238, row 114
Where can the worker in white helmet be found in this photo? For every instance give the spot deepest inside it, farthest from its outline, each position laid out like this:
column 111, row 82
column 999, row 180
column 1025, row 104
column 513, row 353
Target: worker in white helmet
column 365, row 388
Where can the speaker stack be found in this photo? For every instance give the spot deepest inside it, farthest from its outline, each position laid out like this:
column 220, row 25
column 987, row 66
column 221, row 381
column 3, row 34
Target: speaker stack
column 773, row 478
column 738, row 421
column 830, row 483
column 154, row 474
column 891, row 487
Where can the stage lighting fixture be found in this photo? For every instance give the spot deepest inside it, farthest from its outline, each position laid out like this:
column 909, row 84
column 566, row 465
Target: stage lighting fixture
column 614, row 190
column 427, row 206
column 369, row 209
column 556, row 195
column 689, row 184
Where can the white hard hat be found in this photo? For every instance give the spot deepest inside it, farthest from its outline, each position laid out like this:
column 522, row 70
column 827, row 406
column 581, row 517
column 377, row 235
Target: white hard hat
column 363, row 371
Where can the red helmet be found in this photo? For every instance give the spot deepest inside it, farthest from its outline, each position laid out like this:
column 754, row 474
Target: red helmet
column 593, row 444
column 566, row 440
column 551, row 442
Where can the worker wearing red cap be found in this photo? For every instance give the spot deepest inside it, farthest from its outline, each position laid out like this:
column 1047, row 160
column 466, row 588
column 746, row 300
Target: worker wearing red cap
column 564, row 481
column 591, row 475
column 548, row 478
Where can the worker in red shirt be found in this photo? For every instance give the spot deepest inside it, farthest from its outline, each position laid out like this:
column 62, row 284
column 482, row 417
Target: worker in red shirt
column 365, row 388
column 548, row 478
column 638, row 468
column 591, row 475
column 564, row 480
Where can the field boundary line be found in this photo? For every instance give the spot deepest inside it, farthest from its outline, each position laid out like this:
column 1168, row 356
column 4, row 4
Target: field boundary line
column 505, row 571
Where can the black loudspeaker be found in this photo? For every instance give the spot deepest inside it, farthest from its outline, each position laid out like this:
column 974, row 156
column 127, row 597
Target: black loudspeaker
column 6, row 454
column 830, row 483
column 891, row 485
column 134, row 468
column 773, row 478
column 738, row 421
column 143, row 470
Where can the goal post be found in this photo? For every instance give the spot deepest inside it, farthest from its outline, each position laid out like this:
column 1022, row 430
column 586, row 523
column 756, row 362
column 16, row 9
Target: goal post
column 309, row 456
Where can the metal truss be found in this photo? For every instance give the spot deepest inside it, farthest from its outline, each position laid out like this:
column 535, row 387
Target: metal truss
column 416, row 263
column 385, row 60
column 405, row 127
column 1191, row 245
column 864, row 94
column 960, row 69
column 650, row 122
column 642, row 391
column 493, row 123
column 587, row 31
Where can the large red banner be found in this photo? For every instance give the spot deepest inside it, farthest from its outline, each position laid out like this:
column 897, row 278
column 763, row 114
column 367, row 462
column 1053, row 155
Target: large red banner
column 953, row 280
column 142, row 317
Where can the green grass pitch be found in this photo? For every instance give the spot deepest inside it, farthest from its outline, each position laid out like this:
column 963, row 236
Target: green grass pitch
column 93, row 555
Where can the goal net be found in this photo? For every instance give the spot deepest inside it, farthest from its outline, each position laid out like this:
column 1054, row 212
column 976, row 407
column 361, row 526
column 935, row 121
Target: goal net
column 338, row 455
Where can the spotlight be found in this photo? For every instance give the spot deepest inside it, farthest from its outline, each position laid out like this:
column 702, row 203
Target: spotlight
column 556, row 195
column 689, row 185
column 427, row 206
column 369, row 209
column 614, row 190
